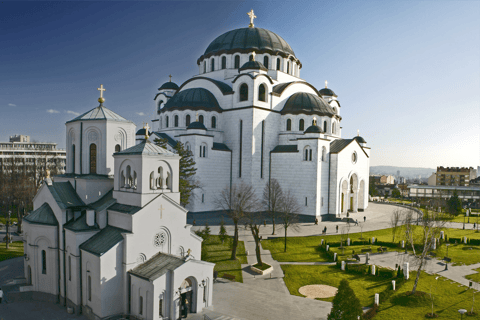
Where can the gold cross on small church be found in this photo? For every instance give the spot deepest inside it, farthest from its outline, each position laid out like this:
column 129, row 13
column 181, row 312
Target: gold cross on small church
column 252, row 16
column 253, row 55
column 146, row 127
column 161, row 210
column 170, row 76
column 101, row 89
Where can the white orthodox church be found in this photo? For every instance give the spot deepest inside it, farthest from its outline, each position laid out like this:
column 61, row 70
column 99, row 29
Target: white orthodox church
column 249, row 117
column 109, row 237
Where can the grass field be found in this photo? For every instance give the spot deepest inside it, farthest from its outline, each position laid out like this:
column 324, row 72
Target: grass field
column 448, row 297
column 214, row 251
column 15, row 250
column 474, row 277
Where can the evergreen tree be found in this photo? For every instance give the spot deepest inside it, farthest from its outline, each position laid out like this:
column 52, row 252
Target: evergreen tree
column 223, row 231
column 345, row 305
column 187, row 170
column 207, row 231
column 454, row 204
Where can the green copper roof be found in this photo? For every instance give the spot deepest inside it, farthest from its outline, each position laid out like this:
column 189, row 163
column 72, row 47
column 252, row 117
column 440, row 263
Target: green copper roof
column 65, row 195
column 146, row 148
column 81, row 224
column 307, row 103
column 193, row 99
column 103, row 241
column 43, row 215
column 338, row 145
column 100, row 113
column 157, row 266
column 125, row 208
column 104, row 202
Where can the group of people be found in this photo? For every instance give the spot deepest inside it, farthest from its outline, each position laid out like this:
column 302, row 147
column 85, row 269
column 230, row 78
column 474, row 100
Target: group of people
column 325, row 228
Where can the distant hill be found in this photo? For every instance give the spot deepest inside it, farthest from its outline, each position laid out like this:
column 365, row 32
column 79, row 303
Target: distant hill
column 405, row 172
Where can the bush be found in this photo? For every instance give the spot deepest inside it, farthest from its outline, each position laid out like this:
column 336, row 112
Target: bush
column 386, row 273
column 345, row 304
column 453, row 240
column 358, row 268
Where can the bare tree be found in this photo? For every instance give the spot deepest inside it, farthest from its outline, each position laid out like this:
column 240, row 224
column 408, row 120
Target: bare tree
column 288, row 215
column 235, row 202
column 272, row 197
column 431, row 224
column 395, row 221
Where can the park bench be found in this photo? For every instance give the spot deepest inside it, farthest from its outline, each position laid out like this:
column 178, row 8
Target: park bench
column 447, row 259
column 228, row 276
column 367, row 250
column 356, row 257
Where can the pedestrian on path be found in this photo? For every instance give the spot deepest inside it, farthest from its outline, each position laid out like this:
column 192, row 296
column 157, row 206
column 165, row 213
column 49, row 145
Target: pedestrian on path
column 474, row 225
column 1, row 295
column 364, row 219
column 356, row 222
column 316, row 221
column 337, row 228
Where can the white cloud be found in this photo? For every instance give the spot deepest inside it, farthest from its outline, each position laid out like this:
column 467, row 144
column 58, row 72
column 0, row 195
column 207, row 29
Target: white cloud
column 140, row 113
column 53, row 111
column 12, row 105
column 73, row 112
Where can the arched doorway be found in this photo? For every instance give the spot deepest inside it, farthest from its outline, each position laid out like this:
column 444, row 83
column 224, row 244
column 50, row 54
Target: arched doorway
column 353, row 193
column 344, row 199
column 188, row 297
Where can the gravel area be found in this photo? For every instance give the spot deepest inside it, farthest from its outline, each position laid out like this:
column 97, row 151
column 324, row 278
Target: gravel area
column 318, row 291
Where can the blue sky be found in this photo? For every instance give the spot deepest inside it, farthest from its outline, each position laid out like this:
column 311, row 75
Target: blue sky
column 405, row 72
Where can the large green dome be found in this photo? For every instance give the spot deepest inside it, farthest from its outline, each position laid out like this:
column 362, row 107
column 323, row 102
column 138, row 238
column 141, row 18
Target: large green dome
column 247, row 40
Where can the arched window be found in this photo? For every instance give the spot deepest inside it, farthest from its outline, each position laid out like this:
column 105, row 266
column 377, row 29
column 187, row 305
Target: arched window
column 237, row 62
column 325, row 126
column 204, row 66
column 224, row 62
column 265, row 61
column 278, row 63
column 166, row 122
column 118, row 148
column 301, row 125
column 70, row 268
column 93, row 158
column 250, row 58
column 288, row 66
column 244, row 92
column 351, row 184
column 289, row 125
column 89, row 288
column 262, row 93
column 73, row 158
column 187, row 120
column 176, row 121
column 212, row 65
column 129, row 179
column 160, row 105
column 214, row 122
column 44, row 262
column 324, row 154
column 307, row 154
column 187, row 146
column 200, row 119
column 203, row 150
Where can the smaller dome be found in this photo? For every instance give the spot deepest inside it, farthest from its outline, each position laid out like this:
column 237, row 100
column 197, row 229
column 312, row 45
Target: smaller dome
column 360, row 139
column 169, row 86
column 196, row 125
column 141, row 132
column 253, row 65
column 314, row 129
column 327, row 92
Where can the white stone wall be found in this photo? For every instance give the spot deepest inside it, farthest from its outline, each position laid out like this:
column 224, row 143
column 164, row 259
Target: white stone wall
column 145, row 289
column 112, row 274
column 91, row 268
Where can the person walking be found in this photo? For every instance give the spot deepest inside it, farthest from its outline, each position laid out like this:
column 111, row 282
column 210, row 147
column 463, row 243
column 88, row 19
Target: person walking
column 316, row 221
column 364, row 218
column 337, row 228
column 356, row 222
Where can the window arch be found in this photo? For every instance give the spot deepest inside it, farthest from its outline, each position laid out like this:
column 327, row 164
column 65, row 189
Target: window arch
column 166, row 122
column 289, row 125
column 288, row 66
column 93, row 158
column 200, row 119
column 265, row 61
column 262, row 96
column 212, row 64
column 214, row 122
column 187, row 120
column 204, row 66
column 307, row 154
column 237, row 62
column 224, row 62
column 244, row 92
column 160, row 103
column 325, row 126
column 301, row 125
column 278, row 63
column 118, row 148
column 203, row 151
column 176, row 121
column 44, row 262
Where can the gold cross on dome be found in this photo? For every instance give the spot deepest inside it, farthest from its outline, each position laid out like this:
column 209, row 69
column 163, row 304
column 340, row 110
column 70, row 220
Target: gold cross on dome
column 161, row 210
column 252, row 16
column 146, row 127
column 314, row 121
column 170, row 76
column 253, row 55
column 326, row 83
column 101, row 89
column 358, row 132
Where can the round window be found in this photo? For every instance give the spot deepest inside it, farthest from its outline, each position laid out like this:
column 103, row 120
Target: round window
column 159, row 239
column 354, row 157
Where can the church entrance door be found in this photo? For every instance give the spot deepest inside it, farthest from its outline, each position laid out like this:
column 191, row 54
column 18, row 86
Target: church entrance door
column 351, row 203
column 187, row 305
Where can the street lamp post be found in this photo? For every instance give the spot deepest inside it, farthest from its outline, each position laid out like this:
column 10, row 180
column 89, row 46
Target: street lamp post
column 446, row 262
column 7, row 238
column 462, row 311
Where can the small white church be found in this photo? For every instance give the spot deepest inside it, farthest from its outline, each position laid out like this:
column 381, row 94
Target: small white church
column 248, row 116
column 109, row 237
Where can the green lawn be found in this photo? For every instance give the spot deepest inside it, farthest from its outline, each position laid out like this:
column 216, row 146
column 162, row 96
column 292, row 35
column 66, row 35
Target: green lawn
column 214, row 251
column 3, row 220
column 474, row 277
column 15, row 250
column 448, row 297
